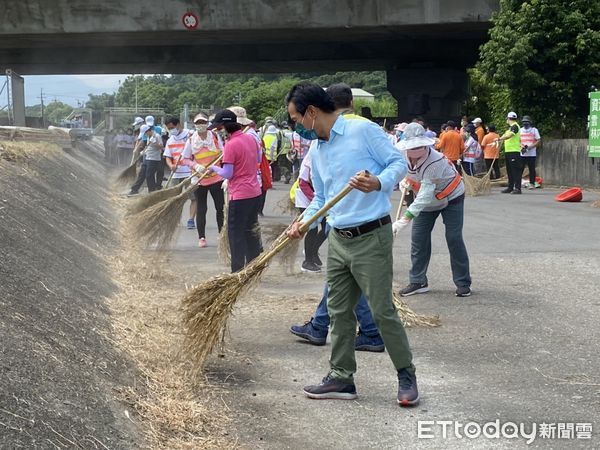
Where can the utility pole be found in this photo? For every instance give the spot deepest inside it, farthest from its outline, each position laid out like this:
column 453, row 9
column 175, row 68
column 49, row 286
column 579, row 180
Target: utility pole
column 136, row 93
column 42, row 102
column 186, row 114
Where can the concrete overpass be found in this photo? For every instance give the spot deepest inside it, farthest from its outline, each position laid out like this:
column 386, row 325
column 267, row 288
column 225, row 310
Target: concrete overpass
column 423, row 45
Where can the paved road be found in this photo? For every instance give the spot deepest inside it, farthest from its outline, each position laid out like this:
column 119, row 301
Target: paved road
column 523, row 348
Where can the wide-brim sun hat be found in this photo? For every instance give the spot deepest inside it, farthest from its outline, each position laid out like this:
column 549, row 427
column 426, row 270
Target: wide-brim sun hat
column 414, row 137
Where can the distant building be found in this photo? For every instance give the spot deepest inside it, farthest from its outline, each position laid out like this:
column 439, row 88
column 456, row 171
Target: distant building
column 361, row 94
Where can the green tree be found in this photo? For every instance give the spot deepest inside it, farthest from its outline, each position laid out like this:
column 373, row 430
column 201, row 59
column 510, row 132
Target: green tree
column 56, row 111
column 542, row 59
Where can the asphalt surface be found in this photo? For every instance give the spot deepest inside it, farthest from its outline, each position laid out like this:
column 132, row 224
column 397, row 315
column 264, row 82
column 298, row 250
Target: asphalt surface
column 522, row 349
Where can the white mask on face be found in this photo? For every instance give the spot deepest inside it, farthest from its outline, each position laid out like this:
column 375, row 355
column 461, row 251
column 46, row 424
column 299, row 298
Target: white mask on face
column 202, row 127
column 417, row 153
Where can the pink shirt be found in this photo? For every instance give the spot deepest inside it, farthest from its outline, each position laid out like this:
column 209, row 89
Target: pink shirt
column 242, row 151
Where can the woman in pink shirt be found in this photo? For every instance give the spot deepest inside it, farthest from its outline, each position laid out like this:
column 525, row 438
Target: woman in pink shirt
column 240, row 158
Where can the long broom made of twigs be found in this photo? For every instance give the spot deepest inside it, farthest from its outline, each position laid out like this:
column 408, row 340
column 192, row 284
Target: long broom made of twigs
column 161, row 195
column 159, row 223
column 207, row 307
column 128, row 175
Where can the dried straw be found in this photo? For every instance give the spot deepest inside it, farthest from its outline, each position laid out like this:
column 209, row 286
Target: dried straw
column 159, row 224
column 128, row 175
column 476, row 186
column 411, row 319
column 287, row 206
column 273, row 233
column 596, row 204
column 208, row 306
column 223, row 250
column 155, row 197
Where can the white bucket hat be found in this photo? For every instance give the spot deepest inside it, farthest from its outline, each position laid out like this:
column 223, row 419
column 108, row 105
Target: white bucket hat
column 137, row 121
column 242, row 117
column 414, row 137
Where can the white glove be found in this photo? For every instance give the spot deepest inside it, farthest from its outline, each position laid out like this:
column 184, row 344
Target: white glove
column 404, row 184
column 199, row 168
column 225, row 185
column 194, row 181
column 400, row 225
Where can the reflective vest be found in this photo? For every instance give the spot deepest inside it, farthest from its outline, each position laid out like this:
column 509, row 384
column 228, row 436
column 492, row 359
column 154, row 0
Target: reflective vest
column 204, row 153
column 514, row 143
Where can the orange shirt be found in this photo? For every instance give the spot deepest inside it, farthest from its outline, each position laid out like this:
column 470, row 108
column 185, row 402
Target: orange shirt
column 451, row 144
column 480, row 132
column 490, row 149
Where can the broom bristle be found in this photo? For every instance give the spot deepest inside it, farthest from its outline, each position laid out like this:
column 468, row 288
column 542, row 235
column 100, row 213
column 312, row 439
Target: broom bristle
column 274, row 233
column 596, row 204
column 158, row 224
column 475, row 186
column 208, row 306
column 223, row 250
column 411, row 319
column 153, row 198
column 127, row 176
column 286, row 206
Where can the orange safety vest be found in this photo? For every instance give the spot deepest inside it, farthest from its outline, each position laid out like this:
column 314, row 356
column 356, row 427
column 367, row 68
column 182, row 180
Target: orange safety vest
column 205, row 155
column 415, row 185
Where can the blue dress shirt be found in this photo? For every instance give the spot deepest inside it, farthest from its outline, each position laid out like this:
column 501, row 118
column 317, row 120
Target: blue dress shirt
column 354, row 145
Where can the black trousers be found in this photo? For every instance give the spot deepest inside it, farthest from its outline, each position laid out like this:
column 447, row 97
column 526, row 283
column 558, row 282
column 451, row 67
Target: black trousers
column 202, row 206
column 152, row 180
column 140, row 178
column 160, row 173
column 529, row 161
column 261, row 203
column 496, row 172
column 285, row 168
column 313, row 240
column 275, row 170
column 244, row 231
column 514, row 169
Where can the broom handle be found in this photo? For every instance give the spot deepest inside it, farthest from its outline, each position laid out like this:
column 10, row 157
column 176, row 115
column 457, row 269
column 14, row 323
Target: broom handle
column 304, row 227
column 201, row 177
column 173, row 171
column 399, row 212
column 205, row 173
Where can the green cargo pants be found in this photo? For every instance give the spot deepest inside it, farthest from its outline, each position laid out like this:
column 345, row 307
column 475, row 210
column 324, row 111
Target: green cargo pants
column 363, row 263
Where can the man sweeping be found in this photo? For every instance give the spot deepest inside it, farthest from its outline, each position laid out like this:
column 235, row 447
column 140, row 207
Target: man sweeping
column 360, row 243
column 439, row 190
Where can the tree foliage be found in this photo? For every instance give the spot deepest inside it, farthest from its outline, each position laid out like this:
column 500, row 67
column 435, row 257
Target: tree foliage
column 262, row 95
column 542, row 59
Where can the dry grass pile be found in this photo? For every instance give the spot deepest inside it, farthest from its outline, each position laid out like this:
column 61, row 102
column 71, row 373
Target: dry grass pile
column 21, row 151
column 410, row 318
column 287, row 206
column 596, row 204
column 172, row 410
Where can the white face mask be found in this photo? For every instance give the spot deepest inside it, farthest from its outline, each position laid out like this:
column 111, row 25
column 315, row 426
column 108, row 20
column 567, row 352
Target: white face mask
column 173, row 132
column 202, row 127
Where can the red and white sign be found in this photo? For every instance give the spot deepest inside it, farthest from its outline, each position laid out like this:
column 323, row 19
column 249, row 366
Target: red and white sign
column 190, row 20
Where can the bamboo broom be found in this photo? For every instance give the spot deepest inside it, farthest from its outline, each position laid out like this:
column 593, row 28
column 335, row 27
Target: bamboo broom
column 223, row 250
column 207, row 307
column 159, row 223
column 128, row 175
column 156, row 197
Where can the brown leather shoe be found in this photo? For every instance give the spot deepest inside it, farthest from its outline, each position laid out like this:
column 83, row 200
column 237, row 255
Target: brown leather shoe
column 408, row 393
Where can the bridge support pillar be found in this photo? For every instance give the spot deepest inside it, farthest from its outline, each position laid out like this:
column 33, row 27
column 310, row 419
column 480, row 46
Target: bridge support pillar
column 436, row 94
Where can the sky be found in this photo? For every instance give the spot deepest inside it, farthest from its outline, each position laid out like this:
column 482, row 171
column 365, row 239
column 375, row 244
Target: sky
column 68, row 89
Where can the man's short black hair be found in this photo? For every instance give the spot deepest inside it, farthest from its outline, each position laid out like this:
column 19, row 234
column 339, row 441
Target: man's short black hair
column 232, row 127
column 172, row 120
column 341, row 94
column 492, row 128
column 304, row 94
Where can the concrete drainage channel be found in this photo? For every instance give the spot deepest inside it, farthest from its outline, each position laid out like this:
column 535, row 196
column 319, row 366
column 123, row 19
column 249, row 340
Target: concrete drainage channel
column 65, row 379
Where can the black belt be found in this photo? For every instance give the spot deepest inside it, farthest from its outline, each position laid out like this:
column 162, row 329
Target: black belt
column 353, row 232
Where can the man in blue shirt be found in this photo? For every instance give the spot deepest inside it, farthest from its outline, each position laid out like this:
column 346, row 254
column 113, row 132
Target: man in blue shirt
column 360, row 243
